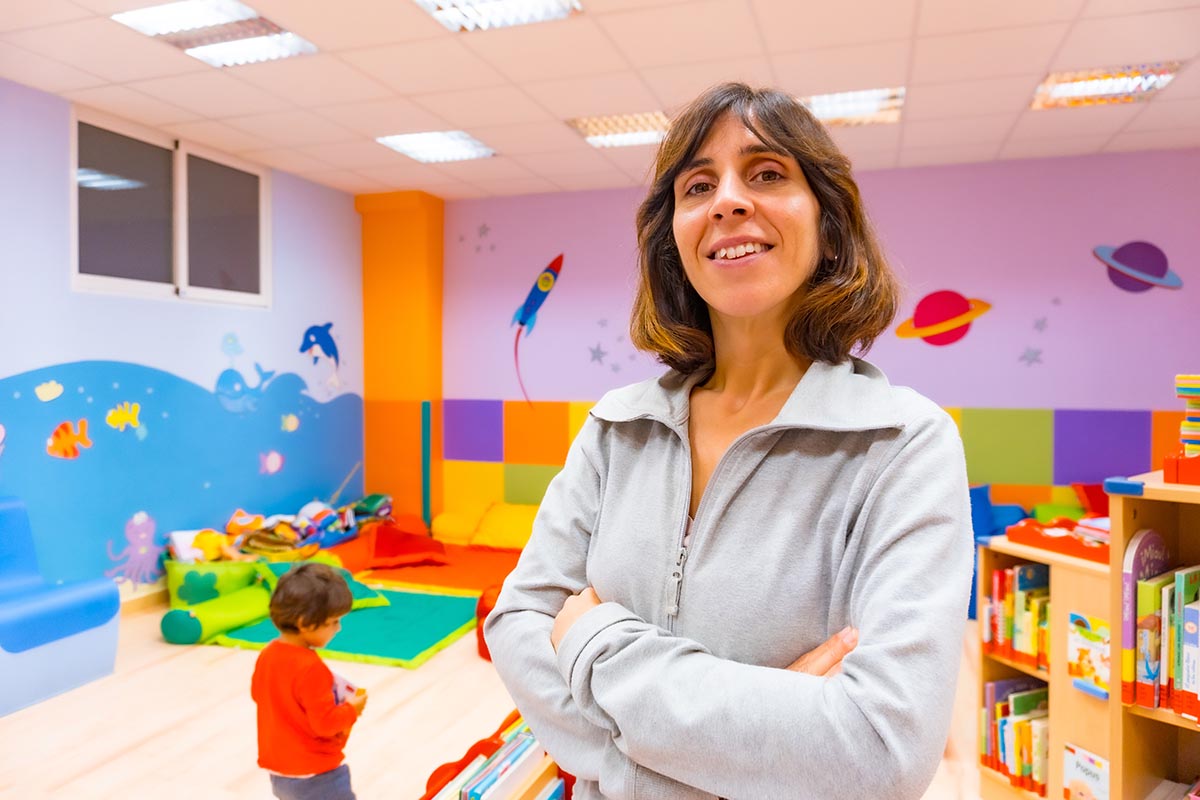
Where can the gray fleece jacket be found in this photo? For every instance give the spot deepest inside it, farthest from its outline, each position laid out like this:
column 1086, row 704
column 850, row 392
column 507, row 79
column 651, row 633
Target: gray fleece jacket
column 850, row 508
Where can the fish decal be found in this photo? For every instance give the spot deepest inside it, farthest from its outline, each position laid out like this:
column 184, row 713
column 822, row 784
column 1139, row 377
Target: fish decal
column 289, row 423
column 269, row 463
column 526, row 316
column 65, row 441
column 124, row 415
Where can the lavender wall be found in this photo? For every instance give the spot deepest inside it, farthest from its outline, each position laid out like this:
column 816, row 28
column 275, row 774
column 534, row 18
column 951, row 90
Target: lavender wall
column 1018, row 235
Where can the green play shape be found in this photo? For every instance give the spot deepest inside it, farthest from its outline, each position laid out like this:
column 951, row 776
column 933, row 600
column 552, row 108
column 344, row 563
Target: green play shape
column 526, row 483
column 1009, row 445
column 405, row 633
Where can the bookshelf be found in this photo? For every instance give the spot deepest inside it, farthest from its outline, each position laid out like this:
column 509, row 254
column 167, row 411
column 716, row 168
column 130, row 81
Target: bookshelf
column 1152, row 744
column 1075, row 585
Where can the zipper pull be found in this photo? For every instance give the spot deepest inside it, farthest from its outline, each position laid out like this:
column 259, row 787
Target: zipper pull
column 677, row 583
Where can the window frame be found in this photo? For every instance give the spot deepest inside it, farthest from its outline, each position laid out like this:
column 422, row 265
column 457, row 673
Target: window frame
column 178, row 288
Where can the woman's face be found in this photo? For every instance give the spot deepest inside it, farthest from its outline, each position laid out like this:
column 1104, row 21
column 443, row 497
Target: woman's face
column 746, row 225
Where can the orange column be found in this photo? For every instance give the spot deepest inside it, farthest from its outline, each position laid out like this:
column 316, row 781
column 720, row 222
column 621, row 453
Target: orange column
column 402, row 346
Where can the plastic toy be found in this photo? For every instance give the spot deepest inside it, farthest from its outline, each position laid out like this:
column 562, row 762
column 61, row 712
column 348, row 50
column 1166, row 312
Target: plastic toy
column 374, row 505
column 1060, row 536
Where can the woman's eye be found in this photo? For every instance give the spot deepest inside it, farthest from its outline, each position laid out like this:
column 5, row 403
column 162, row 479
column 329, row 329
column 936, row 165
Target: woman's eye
column 699, row 187
column 768, row 175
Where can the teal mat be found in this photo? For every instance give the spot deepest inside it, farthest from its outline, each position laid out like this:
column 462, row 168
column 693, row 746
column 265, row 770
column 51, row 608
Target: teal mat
column 405, row 633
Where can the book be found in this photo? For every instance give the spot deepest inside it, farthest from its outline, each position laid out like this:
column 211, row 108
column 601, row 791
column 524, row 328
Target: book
column 1187, row 588
column 453, row 789
column 1167, row 658
column 523, row 767
column 1085, row 774
column 497, row 766
column 1189, row 685
column 1088, row 649
column 1146, row 555
column 543, row 773
column 343, row 689
column 1149, row 639
column 994, row 694
column 555, row 790
column 1040, row 751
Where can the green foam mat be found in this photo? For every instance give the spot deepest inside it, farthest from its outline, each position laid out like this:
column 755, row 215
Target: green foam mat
column 405, row 633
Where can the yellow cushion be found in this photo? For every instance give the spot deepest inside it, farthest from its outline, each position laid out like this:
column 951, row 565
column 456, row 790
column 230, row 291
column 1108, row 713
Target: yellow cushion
column 506, row 525
column 457, row 527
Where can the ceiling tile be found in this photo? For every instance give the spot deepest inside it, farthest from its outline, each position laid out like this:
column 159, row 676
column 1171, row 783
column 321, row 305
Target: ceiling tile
column 531, row 137
column 678, row 85
column 697, row 30
column 1162, row 114
column 1108, row 8
column 106, row 48
column 1053, row 148
column 130, row 104
column 1155, row 140
column 496, row 168
column 293, row 128
column 516, row 186
column 555, row 165
column 1185, row 84
column 408, row 68
column 1061, row 122
column 843, row 69
column 565, row 49
column 407, row 171
column 990, row 129
column 970, row 98
column 352, row 23
column 988, row 54
column 636, row 162
column 18, row 15
column 383, row 117
column 109, row 7
column 211, row 94
column 618, row 93
column 346, row 181
column 448, row 190
column 218, row 136
column 287, row 160
column 1134, row 39
column 502, row 105
column 354, row 155
column 315, row 80
column 612, row 179
column 955, row 16
column 609, row 6
column 42, row 73
column 959, row 154
column 860, row 138
column 789, row 26
column 875, row 159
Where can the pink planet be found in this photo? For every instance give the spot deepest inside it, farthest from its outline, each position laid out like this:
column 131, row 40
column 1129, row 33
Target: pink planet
column 942, row 318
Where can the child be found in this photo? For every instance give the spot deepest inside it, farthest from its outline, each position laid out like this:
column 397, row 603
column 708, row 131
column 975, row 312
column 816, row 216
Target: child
column 302, row 725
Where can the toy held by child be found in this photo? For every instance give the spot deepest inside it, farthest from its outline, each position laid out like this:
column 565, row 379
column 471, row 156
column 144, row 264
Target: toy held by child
column 305, row 712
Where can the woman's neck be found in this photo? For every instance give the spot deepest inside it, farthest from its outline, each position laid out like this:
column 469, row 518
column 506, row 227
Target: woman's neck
column 752, row 365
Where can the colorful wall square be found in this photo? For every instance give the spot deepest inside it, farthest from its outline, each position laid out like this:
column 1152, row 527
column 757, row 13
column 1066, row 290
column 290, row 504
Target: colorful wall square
column 1005, row 445
column 535, row 433
column 472, row 485
column 577, row 414
column 474, row 430
column 1164, row 436
column 526, row 483
column 1090, row 446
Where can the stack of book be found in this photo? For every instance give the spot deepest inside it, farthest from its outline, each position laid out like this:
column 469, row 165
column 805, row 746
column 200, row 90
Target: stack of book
column 519, row 769
column 1013, row 737
column 1015, row 616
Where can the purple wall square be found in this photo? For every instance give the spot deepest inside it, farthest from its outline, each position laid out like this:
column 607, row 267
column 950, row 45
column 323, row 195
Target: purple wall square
column 474, row 430
column 1090, row 446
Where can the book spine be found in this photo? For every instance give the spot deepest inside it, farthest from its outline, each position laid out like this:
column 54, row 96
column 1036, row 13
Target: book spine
column 1128, row 633
column 1191, row 661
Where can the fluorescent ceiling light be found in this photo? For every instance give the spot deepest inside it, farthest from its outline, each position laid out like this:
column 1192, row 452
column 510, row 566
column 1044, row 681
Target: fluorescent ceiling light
column 1102, row 86
column 250, row 51
column 865, row 107
column 623, row 130
column 89, row 178
column 184, row 16
column 471, row 15
column 438, row 146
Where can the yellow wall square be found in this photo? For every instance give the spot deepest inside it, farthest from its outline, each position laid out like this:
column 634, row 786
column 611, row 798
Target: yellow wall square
column 471, row 485
column 577, row 414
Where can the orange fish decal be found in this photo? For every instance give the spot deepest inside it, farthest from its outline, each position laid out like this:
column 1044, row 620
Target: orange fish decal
column 65, row 441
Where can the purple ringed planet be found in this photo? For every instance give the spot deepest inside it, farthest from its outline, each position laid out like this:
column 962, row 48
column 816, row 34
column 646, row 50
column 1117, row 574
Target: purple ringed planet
column 907, row 330
column 1134, row 268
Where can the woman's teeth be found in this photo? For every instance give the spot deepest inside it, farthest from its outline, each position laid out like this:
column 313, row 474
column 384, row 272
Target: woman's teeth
column 730, row 253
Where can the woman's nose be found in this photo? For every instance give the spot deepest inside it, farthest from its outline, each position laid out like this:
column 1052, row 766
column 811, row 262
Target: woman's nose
column 730, row 198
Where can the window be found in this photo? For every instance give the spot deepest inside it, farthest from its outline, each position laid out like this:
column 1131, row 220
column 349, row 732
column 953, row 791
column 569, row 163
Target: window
column 157, row 217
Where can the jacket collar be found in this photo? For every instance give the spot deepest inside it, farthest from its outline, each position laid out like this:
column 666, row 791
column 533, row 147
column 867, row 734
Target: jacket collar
column 853, row 395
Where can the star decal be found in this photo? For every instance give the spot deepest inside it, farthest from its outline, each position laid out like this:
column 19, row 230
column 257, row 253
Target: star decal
column 1031, row 356
column 1039, row 324
column 598, row 354
column 483, row 230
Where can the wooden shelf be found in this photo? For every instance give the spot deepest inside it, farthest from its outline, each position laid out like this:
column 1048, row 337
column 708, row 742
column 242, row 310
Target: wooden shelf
column 1154, row 488
column 1164, row 716
column 1040, row 674
column 1001, row 544
column 994, row 784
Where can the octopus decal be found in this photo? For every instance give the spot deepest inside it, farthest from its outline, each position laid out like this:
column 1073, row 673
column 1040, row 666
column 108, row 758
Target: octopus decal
column 141, row 554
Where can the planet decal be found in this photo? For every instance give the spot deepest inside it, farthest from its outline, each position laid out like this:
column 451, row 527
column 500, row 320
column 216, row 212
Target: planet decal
column 942, row 318
column 1137, row 267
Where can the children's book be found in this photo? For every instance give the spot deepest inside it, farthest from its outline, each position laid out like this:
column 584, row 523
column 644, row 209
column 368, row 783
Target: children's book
column 543, row 773
column 1187, row 587
column 1145, row 556
column 1189, row 688
column 501, row 762
column 1088, row 648
column 343, row 689
column 1166, row 683
column 523, row 767
column 1040, row 747
column 555, row 790
column 1085, row 775
column 1149, row 639
column 453, row 789
column 995, row 693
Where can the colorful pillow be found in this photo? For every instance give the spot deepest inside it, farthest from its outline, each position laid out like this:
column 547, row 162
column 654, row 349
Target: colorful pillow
column 506, row 526
column 189, row 584
column 457, row 527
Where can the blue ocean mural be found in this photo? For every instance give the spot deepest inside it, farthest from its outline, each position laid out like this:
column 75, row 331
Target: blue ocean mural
column 111, row 456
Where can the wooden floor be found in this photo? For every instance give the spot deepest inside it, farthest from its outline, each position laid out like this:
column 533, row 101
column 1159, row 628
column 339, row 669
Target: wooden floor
column 178, row 722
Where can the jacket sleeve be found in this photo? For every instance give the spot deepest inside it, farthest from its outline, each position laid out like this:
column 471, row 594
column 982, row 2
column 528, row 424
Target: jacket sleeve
column 314, row 691
column 552, row 567
column 878, row 729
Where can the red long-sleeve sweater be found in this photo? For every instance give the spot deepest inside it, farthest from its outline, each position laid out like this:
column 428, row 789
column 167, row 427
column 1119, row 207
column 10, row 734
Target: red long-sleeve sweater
column 301, row 727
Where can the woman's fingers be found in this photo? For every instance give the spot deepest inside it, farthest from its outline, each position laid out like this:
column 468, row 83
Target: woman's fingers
column 827, row 656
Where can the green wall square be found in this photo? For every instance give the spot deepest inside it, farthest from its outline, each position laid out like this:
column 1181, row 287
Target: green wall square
column 526, row 483
column 1009, row 445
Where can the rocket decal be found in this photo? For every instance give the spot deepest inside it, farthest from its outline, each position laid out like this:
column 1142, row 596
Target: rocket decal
column 526, row 316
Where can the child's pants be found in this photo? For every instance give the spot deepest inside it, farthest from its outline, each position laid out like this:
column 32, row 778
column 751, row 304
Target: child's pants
column 332, row 785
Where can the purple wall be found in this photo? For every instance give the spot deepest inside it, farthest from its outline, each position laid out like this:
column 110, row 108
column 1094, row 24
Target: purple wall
column 1017, row 234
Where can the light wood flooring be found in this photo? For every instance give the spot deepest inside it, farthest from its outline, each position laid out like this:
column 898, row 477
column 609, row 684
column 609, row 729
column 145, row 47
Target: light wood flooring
column 178, row 722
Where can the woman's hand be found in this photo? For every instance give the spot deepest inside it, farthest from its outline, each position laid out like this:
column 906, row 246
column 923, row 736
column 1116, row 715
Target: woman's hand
column 576, row 606
column 826, row 659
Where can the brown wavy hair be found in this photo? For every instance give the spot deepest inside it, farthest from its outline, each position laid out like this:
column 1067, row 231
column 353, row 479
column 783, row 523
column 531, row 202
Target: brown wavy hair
column 310, row 595
column 851, row 297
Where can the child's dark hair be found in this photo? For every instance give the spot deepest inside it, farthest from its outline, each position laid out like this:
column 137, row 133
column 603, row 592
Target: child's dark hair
column 309, row 595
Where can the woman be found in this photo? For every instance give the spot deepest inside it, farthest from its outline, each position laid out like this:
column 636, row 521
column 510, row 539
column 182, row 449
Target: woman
column 767, row 495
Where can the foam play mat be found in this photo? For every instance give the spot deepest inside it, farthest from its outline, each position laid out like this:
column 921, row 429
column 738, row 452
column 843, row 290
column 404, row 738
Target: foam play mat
column 405, row 633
